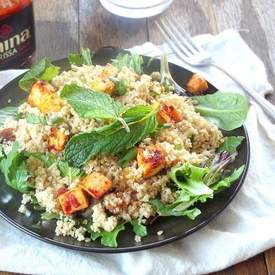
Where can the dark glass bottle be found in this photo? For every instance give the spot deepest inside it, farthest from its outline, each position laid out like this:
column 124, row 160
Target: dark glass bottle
column 17, row 40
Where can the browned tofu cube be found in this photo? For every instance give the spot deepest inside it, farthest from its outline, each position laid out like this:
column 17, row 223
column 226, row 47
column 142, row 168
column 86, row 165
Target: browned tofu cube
column 168, row 114
column 43, row 96
column 57, row 140
column 105, row 86
column 73, row 200
column 197, row 85
column 96, row 184
column 151, row 160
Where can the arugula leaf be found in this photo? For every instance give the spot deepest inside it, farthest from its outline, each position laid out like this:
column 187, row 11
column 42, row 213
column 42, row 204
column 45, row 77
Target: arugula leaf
column 90, row 104
column 15, row 171
column 127, row 157
column 139, row 228
column 190, row 178
column 42, row 70
column 170, row 210
column 112, row 139
column 7, row 112
column 47, row 216
column 48, row 158
column 227, row 110
column 107, row 238
column 78, row 59
column 70, row 172
column 132, row 61
column 228, row 180
column 231, row 144
column 36, row 119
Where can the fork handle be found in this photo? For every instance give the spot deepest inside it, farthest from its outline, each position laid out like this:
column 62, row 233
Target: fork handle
column 268, row 107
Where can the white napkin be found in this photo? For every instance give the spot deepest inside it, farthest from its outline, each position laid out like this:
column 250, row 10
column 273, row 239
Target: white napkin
column 244, row 229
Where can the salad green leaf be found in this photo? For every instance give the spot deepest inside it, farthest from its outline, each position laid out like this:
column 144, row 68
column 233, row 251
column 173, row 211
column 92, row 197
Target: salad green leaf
column 127, row 157
column 131, row 61
column 231, row 144
column 7, row 112
column 227, row 110
column 90, row 104
column 43, row 70
column 139, row 228
column 47, row 158
column 84, row 57
column 13, row 166
column 107, row 238
column 36, row 119
column 112, row 139
column 47, row 216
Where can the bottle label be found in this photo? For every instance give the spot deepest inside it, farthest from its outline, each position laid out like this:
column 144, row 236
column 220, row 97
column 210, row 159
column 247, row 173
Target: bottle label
column 17, row 41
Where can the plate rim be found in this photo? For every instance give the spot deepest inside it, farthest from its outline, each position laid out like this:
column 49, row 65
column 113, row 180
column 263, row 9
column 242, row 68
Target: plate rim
column 138, row 247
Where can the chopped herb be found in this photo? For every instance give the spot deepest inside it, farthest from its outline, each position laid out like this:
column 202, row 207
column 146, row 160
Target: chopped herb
column 78, row 59
column 131, row 61
column 127, row 157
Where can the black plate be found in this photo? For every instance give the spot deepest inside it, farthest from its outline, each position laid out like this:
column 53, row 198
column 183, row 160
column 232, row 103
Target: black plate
column 174, row 227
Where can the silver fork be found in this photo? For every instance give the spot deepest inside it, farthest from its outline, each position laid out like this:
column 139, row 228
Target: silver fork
column 191, row 53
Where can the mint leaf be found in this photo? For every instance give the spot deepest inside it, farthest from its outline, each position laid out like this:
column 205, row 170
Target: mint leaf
column 227, row 110
column 67, row 171
column 15, row 171
column 43, row 70
column 132, row 61
column 91, row 104
column 78, row 59
column 107, row 238
column 7, row 112
column 112, row 139
column 127, row 157
column 231, row 144
column 47, row 216
column 35, row 119
column 139, row 228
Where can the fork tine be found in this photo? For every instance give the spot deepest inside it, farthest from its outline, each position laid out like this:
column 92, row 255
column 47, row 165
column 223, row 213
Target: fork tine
column 178, row 52
column 186, row 35
column 175, row 39
column 181, row 38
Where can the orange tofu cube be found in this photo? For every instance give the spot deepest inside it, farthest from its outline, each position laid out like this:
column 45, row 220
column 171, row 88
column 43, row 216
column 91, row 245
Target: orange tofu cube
column 57, row 140
column 168, row 114
column 197, row 85
column 105, row 86
column 43, row 96
column 73, row 200
column 109, row 70
column 151, row 160
column 96, row 185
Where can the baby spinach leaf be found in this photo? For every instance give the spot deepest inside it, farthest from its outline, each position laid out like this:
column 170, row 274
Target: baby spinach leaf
column 127, row 157
column 112, row 139
column 227, row 110
column 36, row 119
column 132, row 61
column 90, row 104
column 43, row 70
column 231, row 144
column 107, row 238
column 13, row 166
column 139, row 228
column 47, row 216
column 7, row 112
column 67, row 171
column 78, row 59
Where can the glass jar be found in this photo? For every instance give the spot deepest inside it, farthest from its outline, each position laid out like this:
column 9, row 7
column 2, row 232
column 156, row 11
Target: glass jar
column 17, row 40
